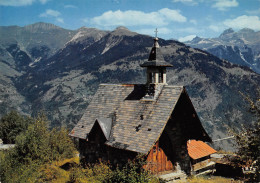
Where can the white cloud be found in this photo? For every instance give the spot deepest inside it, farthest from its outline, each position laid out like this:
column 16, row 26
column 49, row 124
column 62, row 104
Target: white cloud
column 188, row 2
column 70, row 6
column 129, row 18
column 60, row 20
column 223, row 5
column 187, row 38
column 244, row 21
column 16, row 2
column 50, row 13
column 20, row 2
column 135, row 18
column 172, row 15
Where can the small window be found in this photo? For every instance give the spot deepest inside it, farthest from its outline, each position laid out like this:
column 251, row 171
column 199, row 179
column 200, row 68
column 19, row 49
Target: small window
column 141, row 117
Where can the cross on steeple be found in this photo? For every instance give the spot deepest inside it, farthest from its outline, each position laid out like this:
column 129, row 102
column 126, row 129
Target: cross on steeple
column 156, row 31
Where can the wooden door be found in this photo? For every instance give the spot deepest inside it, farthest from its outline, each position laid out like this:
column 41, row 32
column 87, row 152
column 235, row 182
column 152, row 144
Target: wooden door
column 157, row 161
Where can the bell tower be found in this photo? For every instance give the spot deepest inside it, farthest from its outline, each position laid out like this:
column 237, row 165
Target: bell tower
column 156, row 68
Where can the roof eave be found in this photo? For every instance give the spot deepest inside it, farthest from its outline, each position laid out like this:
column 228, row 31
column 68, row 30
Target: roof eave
column 156, row 63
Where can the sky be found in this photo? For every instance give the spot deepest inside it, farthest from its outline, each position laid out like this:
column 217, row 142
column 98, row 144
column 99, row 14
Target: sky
column 175, row 19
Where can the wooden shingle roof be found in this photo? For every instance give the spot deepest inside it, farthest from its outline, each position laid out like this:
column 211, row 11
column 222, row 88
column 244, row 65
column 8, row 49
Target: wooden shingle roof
column 199, row 149
column 136, row 123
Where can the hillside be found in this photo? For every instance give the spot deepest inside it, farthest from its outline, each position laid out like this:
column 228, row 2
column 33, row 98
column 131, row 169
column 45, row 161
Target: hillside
column 63, row 83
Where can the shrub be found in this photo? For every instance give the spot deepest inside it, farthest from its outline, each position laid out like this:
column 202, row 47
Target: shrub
column 60, row 144
column 78, row 175
column 48, row 173
column 11, row 125
column 132, row 172
column 32, row 145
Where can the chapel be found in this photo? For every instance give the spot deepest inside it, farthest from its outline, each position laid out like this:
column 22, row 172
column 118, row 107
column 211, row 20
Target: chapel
column 154, row 119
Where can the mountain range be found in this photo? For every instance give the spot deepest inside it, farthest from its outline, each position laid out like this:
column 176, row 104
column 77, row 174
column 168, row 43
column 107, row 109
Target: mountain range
column 241, row 47
column 47, row 68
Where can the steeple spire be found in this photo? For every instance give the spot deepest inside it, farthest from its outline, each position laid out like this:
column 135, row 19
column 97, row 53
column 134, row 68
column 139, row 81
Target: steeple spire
column 155, row 54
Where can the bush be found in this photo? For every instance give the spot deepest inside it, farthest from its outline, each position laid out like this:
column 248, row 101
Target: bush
column 77, row 175
column 11, row 125
column 132, row 172
column 48, row 173
column 60, row 144
column 33, row 144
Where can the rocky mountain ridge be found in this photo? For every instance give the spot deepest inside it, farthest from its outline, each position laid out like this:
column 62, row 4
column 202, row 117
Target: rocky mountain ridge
column 62, row 84
column 241, row 47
